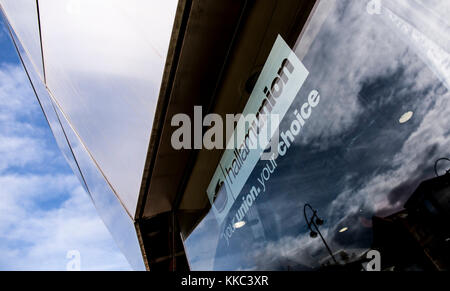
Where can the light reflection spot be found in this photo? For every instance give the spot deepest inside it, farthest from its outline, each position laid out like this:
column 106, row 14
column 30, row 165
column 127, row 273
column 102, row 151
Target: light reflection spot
column 406, row 117
column 344, row 229
column 239, row 224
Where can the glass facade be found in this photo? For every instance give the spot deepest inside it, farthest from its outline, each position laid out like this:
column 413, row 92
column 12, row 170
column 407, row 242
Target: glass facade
column 362, row 90
column 382, row 71
column 96, row 67
column 23, row 15
column 106, row 78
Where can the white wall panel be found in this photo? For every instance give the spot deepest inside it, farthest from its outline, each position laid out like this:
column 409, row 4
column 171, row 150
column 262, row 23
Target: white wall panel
column 104, row 62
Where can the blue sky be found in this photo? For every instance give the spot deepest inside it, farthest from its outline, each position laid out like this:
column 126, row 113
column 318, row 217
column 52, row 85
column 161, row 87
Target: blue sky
column 44, row 211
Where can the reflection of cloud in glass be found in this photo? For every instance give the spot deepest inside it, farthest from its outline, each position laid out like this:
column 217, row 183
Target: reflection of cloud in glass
column 103, row 62
column 201, row 244
column 108, row 207
column 23, row 17
column 104, row 69
column 354, row 159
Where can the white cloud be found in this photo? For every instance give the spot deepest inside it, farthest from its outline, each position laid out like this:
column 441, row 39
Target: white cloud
column 44, row 212
column 38, row 239
column 21, row 143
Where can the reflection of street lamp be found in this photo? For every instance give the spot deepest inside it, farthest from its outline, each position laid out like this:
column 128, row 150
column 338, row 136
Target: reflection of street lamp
column 315, row 221
column 447, row 172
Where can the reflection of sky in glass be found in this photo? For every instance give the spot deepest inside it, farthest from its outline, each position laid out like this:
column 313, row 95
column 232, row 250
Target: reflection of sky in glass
column 50, row 114
column 107, row 205
column 22, row 15
column 44, row 211
column 110, row 210
column 104, row 63
column 353, row 159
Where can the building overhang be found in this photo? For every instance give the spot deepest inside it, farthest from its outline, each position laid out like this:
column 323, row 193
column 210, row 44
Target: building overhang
column 215, row 55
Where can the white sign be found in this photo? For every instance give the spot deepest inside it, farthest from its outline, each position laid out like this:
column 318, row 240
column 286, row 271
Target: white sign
column 278, row 84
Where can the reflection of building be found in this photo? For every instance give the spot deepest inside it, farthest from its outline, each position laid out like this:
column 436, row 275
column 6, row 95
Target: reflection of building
column 351, row 260
column 109, row 91
column 418, row 237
